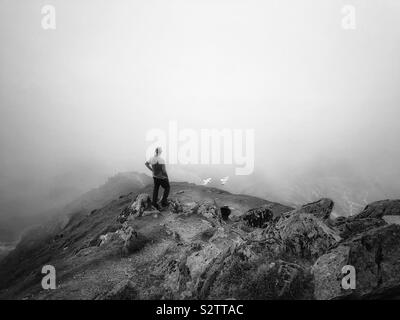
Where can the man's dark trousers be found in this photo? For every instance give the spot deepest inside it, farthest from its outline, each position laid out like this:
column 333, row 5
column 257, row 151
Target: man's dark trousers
column 164, row 183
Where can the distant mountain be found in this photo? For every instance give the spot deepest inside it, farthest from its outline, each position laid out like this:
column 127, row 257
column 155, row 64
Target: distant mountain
column 22, row 217
column 120, row 184
column 39, row 227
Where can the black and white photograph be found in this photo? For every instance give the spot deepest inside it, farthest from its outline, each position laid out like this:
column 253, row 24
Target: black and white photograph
column 188, row 152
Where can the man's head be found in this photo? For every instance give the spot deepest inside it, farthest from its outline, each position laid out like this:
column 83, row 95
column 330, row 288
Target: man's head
column 158, row 151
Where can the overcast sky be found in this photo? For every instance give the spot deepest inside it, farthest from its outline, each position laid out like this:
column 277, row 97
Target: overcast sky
column 76, row 102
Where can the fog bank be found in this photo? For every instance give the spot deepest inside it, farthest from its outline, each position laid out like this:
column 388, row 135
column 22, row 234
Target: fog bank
column 77, row 102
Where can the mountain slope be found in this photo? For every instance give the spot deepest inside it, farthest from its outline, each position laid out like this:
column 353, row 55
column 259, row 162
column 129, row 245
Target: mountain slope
column 75, row 249
column 210, row 244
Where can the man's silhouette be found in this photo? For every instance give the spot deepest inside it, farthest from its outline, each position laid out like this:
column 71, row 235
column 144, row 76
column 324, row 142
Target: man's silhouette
column 156, row 164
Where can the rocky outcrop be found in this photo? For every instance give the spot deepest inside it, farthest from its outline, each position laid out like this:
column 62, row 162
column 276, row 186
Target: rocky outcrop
column 375, row 256
column 258, row 218
column 175, row 206
column 125, row 290
column 321, row 208
column 126, row 238
column 208, row 210
column 252, row 268
column 241, row 278
column 379, row 209
column 132, row 240
column 306, row 236
column 304, row 233
column 214, row 245
column 350, row 227
column 327, row 272
column 374, row 215
column 141, row 203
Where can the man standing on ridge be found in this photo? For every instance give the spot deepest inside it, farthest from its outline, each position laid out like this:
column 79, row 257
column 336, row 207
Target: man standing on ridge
column 156, row 164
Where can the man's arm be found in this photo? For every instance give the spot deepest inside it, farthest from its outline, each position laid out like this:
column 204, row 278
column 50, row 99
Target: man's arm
column 147, row 164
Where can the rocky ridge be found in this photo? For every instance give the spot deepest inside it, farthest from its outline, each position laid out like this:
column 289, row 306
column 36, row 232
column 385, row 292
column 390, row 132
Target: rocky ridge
column 211, row 244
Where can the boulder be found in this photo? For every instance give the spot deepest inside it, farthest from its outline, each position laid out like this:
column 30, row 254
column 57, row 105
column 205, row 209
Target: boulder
column 258, row 217
column 107, row 238
column 327, row 273
column 208, row 210
column 260, row 280
column 350, row 227
column 175, row 206
column 190, row 208
column 290, row 279
column 375, row 255
column 306, row 236
column 198, row 262
column 141, row 203
column 321, row 208
column 374, row 215
column 132, row 241
column 380, row 208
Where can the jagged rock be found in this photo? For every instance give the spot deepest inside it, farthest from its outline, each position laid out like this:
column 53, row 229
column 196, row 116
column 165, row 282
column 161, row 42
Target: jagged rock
column 327, row 272
column 375, row 256
column 258, row 217
column 176, row 275
column 141, row 203
column 321, row 208
column 208, row 210
column 379, row 209
column 204, row 264
column 98, row 239
column 208, row 277
column 126, row 232
column 132, row 241
column 306, row 236
column 239, row 278
column 175, row 206
column 190, row 208
column 288, row 277
column 371, row 217
column 126, row 238
column 196, row 255
column 107, row 238
column 235, row 215
column 125, row 290
column 268, row 238
column 350, row 227
column 199, row 261
column 124, row 215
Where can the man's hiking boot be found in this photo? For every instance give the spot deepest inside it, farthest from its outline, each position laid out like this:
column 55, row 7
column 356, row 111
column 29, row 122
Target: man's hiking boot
column 164, row 205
